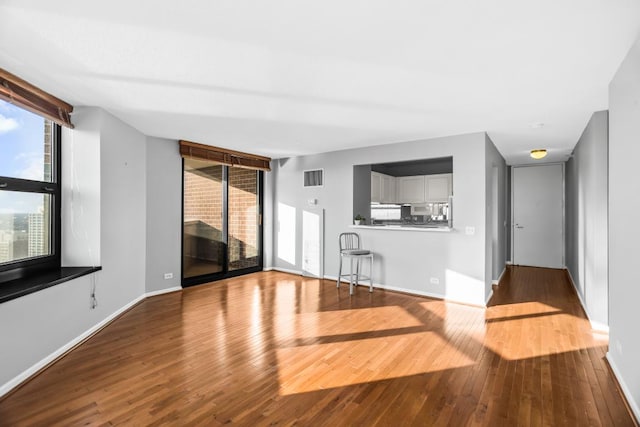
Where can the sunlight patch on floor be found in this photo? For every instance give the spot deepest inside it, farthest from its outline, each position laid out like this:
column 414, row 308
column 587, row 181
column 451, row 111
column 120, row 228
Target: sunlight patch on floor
column 322, row 366
column 339, row 322
column 455, row 317
column 519, row 309
column 534, row 330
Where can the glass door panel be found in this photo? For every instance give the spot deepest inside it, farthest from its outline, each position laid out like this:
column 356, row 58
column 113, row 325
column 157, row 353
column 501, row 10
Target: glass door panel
column 222, row 229
column 204, row 233
column 244, row 219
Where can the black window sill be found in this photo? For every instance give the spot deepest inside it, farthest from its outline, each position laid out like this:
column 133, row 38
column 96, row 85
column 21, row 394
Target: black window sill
column 27, row 285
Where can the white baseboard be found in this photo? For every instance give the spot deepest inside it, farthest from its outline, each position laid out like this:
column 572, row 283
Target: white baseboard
column 296, row 272
column 365, row 283
column 596, row 326
column 625, row 389
column 427, row 294
column 19, row 379
column 286, row 270
column 497, row 281
column 486, row 301
column 163, row 291
column 391, row 288
column 409, row 291
column 28, row 373
column 599, row 327
column 335, row 278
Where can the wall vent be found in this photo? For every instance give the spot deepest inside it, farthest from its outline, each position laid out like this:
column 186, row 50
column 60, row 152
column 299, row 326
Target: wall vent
column 314, row 178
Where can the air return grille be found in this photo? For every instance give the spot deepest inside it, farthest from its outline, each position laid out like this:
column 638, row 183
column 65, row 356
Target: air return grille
column 314, row 178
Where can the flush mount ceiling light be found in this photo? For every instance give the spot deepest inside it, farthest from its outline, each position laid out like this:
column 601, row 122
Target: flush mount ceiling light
column 538, row 153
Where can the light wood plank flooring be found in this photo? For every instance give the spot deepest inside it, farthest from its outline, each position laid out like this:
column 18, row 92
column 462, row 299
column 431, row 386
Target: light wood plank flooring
column 276, row 349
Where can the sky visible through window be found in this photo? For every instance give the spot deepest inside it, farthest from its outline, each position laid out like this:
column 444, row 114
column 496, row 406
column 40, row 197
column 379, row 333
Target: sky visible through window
column 21, row 156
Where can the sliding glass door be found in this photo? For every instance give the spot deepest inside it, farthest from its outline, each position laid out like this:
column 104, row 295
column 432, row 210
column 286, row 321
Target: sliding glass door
column 243, row 219
column 222, row 230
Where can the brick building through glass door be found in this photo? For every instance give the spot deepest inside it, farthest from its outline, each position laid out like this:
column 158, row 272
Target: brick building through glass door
column 222, row 230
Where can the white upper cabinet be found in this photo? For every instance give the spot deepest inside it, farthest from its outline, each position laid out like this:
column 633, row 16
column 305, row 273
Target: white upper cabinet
column 383, row 188
column 424, row 188
column 411, row 189
column 376, row 187
column 388, row 194
column 438, row 187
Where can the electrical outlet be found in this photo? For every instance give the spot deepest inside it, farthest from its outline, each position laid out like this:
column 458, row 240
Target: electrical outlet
column 619, row 347
column 434, row 281
column 168, row 276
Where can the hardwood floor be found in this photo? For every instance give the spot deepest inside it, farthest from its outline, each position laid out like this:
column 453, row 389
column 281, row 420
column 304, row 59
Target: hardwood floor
column 272, row 348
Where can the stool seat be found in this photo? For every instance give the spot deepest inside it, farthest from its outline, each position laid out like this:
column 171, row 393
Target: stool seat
column 350, row 248
column 356, row 252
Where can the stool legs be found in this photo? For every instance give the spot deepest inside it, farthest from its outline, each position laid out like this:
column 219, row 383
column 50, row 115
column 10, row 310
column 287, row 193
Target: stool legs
column 371, row 273
column 353, row 282
column 351, row 276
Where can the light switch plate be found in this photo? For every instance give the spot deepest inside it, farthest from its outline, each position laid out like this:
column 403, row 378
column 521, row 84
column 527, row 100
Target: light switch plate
column 469, row 231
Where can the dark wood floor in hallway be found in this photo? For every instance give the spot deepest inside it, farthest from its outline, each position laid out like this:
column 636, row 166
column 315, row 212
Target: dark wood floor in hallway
column 276, row 349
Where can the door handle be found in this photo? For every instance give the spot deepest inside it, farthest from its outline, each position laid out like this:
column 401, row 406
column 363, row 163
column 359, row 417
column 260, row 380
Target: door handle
column 519, row 226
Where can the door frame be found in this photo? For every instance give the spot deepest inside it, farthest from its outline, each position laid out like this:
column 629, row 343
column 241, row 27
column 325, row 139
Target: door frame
column 225, row 273
column 564, row 196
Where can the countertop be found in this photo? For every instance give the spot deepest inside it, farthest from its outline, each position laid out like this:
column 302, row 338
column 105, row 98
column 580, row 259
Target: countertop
column 427, row 228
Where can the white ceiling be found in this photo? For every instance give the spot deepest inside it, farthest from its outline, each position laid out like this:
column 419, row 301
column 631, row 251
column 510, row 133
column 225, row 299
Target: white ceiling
column 283, row 78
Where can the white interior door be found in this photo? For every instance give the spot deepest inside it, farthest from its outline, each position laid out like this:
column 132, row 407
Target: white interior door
column 538, row 208
column 313, row 242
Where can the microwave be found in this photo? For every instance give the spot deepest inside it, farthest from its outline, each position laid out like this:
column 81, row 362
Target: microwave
column 421, row 209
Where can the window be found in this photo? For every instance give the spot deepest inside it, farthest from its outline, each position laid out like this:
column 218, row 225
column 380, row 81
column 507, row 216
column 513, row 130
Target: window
column 29, row 192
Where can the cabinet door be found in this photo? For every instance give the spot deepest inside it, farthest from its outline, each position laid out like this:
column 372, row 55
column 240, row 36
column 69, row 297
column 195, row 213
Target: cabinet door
column 411, row 189
column 388, row 194
column 376, row 187
column 438, row 187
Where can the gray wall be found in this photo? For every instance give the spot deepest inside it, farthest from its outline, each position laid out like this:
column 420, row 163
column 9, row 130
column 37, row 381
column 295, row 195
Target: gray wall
column 164, row 213
column 267, row 217
column 496, row 214
column 415, row 167
column 122, row 198
column 80, row 176
column 508, row 209
column 108, row 228
column 586, row 219
column 624, row 206
column 405, row 260
column 362, row 197
column 123, row 212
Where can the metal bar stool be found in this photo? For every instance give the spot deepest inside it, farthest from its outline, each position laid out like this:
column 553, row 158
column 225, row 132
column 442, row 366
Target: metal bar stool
column 350, row 248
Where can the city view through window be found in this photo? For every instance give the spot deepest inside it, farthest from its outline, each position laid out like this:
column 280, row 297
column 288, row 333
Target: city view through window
column 25, row 153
